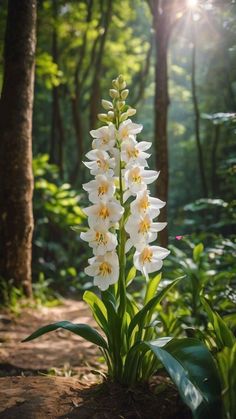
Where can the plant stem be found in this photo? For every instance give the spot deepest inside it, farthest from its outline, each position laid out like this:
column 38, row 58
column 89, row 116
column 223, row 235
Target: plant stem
column 122, row 240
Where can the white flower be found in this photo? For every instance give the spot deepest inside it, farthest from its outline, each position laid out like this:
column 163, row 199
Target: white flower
column 100, row 189
column 128, row 128
column 104, row 269
column 137, row 179
column 134, row 152
column 149, row 259
column 142, row 230
column 104, row 212
column 104, row 137
column 101, row 162
column 101, row 240
column 145, row 204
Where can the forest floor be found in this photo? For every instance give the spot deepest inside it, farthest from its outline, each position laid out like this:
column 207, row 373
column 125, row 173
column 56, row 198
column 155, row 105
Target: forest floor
column 56, row 376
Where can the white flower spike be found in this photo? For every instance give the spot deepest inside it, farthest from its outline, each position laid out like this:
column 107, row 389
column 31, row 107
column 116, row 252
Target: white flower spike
column 118, row 163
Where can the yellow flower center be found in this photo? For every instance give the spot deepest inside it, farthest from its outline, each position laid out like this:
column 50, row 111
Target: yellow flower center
column 105, row 139
column 144, row 203
column 104, row 212
column 102, row 189
column 146, row 255
column 124, row 132
column 144, row 226
column 132, row 153
column 105, row 269
column 135, row 176
column 101, row 238
column 103, row 164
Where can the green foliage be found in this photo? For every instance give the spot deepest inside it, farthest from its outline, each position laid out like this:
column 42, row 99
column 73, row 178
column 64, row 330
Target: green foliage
column 221, row 339
column 47, row 71
column 189, row 363
column 10, row 296
column 57, row 251
column 82, row 330
column 209, row 271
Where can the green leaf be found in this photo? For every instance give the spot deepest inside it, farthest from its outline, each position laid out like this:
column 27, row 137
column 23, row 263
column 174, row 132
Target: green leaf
column 152, row 287
column 197, row 251
column 83, row 330
column 224, row 336
column 192, row 368
column 140, row 316
column 131, row 275
column 98, row 309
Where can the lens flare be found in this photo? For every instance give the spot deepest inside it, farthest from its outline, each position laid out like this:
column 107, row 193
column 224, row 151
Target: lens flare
column 192, row 3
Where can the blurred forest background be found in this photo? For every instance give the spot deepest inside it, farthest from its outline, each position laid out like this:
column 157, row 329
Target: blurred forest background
column 81, row 46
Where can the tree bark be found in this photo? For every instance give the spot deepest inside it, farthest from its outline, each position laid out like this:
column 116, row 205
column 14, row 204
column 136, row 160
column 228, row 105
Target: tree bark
column 16, row 178
column 79, row 137
column 197, row 118
column 162, row 24
column 214, row 180
column 57, row 127
column 95, row 88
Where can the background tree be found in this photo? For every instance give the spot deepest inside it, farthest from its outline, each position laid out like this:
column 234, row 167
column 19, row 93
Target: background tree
column 16, row 179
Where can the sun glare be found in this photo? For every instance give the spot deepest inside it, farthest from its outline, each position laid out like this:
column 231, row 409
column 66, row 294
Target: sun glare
column 192, row 3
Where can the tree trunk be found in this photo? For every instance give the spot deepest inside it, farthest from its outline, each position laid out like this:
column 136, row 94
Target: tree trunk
column 161, row 102
column 95, row 88
column 57, row 127
column 16, row 178
column 197, row 118
column 214, row 180
column 79, row 137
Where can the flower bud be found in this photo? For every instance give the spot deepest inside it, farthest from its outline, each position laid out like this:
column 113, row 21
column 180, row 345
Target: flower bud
column 121, row 82
column 110, row 115
column 123, row 117
column 120, row 79
column 115, row 84
column 131, row 111
column 106, row 104
column 124, row 94
column 103, row 117
column 113, row 93
column 120, row 104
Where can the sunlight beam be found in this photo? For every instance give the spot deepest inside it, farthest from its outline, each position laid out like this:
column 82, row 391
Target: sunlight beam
column 192, row 3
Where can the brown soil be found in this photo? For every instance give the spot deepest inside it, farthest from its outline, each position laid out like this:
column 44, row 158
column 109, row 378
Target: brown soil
column 28, row 391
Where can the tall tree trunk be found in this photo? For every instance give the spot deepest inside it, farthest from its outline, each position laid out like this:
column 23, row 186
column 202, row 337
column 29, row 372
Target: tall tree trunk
column 79, row 137
column 57, row 128
column 197, row 118
column 215, row 144
column 16, row 178
column 95, row 88
column 161, row 103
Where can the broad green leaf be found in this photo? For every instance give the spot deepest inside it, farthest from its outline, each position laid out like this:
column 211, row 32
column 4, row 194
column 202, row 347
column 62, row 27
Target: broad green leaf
column 83, row 330
column 152, row 287
column 226, row 360
column 197, row 251
column 192, row 368
column 98, row 309
column 140, row 316
column 131, row 275
column 224, row 336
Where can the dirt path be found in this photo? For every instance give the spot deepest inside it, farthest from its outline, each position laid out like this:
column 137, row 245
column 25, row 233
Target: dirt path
column 59, row 349
column 28, row 391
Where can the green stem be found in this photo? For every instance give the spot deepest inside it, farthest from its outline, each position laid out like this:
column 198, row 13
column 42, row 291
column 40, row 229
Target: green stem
column 122, row 241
